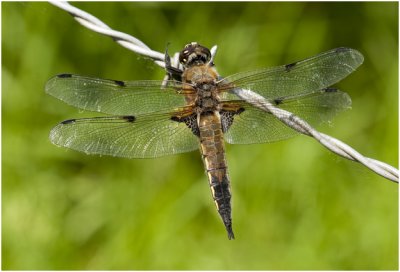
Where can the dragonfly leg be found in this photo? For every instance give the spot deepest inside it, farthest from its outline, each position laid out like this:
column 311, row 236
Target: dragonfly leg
column 172, row 72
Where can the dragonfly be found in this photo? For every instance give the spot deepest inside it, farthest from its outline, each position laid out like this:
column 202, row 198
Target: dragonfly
column 196, row 108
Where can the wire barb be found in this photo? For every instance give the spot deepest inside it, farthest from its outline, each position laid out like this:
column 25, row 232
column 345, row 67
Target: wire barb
column 89, row 21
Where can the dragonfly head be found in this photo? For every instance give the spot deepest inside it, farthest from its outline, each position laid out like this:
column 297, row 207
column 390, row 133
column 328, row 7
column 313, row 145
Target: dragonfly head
column 194, row 54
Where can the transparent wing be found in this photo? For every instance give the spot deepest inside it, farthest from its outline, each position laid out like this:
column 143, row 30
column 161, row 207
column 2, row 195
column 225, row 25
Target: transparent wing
column 300, row 77
column 256, row 126
column 116, row 97
column 146, row 136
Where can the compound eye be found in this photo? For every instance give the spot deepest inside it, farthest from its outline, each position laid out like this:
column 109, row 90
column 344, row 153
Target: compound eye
column 183, row 56
column 206, row 57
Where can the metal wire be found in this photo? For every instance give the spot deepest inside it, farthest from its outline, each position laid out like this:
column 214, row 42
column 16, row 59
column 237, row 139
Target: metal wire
column 125, row 40
column 329, row 142
column 288, row 118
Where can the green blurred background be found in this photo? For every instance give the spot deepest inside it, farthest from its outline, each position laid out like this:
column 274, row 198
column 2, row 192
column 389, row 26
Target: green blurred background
column 295, row 204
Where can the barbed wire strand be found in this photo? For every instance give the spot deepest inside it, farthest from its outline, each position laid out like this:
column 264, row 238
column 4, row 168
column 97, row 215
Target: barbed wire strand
column 125, row 40
column 329, row 142
column 288, row 118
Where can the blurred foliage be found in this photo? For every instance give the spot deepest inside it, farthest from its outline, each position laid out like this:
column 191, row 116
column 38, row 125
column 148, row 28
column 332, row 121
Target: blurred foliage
column 295, row 205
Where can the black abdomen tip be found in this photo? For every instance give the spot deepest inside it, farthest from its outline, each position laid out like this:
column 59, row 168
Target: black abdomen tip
column 231, row 236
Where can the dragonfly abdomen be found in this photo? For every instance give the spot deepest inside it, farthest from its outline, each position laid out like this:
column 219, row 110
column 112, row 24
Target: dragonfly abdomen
column 213, row 153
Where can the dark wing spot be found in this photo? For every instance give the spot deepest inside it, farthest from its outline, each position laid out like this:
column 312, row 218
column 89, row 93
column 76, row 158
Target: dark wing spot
column 64, row 75
column 330, row 90
column 290, row 66
column 119, row 83
column 278, row 101
column 70, row 121
column 129, row 118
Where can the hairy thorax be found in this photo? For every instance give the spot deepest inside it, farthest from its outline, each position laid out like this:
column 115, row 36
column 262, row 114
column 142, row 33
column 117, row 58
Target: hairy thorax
column 203, row 79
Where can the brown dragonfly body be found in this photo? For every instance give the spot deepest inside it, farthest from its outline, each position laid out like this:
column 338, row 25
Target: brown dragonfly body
column 197, row 108
column 209, row 124
column 213, row 153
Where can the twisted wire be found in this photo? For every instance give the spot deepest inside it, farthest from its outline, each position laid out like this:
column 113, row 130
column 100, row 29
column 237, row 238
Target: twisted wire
column 329, row 142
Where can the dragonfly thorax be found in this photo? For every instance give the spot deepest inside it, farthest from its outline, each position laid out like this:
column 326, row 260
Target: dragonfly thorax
column 205, row 104
column 200, row 75
column 203, row 81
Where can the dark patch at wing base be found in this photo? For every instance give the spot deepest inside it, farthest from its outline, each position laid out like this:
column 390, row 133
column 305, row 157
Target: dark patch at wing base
column 227, row 118
column 190, row 121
